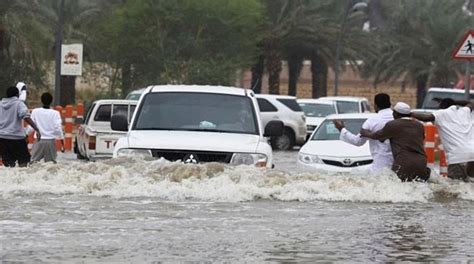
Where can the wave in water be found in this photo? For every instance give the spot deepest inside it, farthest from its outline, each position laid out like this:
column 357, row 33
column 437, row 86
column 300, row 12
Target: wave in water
column 120, row 178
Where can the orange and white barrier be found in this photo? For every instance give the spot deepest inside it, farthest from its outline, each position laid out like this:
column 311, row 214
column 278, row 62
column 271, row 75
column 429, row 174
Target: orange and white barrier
column 68, row 128
column 432, row 146
column 430, row 135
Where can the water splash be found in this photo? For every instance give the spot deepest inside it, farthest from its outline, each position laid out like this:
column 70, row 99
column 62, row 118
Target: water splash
column 218, row 182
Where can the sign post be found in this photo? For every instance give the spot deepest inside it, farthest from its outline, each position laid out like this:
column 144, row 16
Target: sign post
column 465, row 51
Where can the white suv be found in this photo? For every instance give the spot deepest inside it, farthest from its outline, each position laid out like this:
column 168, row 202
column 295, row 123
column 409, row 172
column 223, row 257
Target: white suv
column 349, row 104
column 286, row 109
column 197, row 124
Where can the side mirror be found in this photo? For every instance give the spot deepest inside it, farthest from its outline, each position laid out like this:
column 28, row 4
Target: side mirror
column 274, row 128
column 119, row 123
column 79, row 120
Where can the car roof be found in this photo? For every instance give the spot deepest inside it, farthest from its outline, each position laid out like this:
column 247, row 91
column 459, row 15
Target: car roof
column 138, row 91
column 276, row 96
column 115, row 101
column 447, row 90
column 315, row 101
column 350, row 116
column 344, row 98
column 200, row 88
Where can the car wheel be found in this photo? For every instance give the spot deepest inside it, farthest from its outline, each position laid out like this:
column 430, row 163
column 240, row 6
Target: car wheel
column 78, row 153
column 285, row 141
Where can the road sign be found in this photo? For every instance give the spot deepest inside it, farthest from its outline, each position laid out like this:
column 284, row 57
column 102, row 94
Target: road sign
column 465, row 49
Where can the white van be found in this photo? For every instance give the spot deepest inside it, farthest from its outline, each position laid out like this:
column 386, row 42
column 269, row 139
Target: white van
column 196, row 124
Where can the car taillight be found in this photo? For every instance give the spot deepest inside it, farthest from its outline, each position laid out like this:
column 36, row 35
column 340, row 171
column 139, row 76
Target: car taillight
column 92, row 142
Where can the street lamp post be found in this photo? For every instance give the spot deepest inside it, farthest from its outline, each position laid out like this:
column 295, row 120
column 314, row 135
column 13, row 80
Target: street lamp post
column 59, row 38
column 350, row 7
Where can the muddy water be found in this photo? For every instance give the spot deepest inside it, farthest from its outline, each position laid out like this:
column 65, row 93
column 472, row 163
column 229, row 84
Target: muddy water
column 135, row 211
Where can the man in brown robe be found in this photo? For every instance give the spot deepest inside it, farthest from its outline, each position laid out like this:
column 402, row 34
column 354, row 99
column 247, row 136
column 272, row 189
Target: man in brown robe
column 407, row 141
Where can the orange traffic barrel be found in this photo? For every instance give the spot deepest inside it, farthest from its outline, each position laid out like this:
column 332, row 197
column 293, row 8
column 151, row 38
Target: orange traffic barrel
column 68, row 127
column 430, row 135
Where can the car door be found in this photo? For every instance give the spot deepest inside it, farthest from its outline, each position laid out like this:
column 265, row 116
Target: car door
column 81, row 135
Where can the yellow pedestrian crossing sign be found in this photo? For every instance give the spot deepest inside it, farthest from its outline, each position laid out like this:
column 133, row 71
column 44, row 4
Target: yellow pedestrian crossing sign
column 465, row 49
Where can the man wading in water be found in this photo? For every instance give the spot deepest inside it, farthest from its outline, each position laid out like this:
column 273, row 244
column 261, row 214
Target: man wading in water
column 455, row 123
column 407, row 141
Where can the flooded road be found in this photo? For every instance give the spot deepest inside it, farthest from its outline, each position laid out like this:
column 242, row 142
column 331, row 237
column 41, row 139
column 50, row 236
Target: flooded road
column 134, row 211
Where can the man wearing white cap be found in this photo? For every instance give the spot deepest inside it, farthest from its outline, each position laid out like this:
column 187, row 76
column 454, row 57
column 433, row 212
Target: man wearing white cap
column 407, row 141
column 381, row 151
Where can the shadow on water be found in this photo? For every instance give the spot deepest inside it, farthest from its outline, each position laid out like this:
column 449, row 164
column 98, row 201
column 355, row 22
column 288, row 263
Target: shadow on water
column 408, row 241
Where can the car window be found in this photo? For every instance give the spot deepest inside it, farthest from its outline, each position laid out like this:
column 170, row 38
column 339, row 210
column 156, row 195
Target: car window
column 327, row 130
column 428, row 102
column 344, row 107
column 89, row 113
column 124, row 110
column 191, row 111
column 291, row 103
column 103, row 113
column 366, row 106
column 133, row 96
column 317, row 110
column 266, row 106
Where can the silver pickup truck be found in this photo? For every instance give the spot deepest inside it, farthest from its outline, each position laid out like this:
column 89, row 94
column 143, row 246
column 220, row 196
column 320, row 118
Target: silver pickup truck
column 94, row 138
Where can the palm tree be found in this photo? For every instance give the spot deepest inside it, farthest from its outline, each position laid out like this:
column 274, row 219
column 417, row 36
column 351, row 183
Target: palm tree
column 280, row 19
column 314, row 36
column 417, row 42
column 21, row 42
column 79, row 17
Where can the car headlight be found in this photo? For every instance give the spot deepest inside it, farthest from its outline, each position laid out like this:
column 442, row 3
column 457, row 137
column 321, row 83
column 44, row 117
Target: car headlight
column 125, row 152
column 259, row 160
column 307, row 158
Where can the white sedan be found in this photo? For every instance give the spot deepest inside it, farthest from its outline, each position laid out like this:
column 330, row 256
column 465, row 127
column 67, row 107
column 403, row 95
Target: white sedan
column 324, row 151
column 315, row 111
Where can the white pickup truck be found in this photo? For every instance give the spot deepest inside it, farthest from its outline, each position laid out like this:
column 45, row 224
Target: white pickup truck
column 95, row 139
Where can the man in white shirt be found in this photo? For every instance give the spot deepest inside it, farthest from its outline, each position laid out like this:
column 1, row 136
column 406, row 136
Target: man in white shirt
column 381, row 151
column 455, row 123
column 50, row 125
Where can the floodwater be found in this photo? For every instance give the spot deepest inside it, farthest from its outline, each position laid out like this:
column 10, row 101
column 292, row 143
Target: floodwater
column 135, row 211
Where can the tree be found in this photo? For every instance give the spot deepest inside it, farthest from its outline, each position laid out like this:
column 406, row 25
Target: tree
column 416, row 43
column 185, row 42
column 79, row 17
column 21, row 44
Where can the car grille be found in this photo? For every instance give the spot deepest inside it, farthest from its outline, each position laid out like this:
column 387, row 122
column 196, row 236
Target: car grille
column 340, row 164
column 198, row 156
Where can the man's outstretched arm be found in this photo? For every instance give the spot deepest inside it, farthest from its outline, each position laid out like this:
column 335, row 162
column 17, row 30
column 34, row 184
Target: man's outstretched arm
column 347, row 136
column 425, row 117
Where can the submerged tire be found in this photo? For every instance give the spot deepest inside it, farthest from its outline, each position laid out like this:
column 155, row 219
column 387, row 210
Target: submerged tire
column 78, row 153
column 285, row 141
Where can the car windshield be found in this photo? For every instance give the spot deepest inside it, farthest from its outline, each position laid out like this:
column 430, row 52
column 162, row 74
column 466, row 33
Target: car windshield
column 428, row 103
column 346, row 107
column 327, row 130
column 188, row 111
column 317, row 110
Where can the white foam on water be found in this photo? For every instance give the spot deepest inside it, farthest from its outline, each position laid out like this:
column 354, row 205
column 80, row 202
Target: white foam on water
column 174, row 181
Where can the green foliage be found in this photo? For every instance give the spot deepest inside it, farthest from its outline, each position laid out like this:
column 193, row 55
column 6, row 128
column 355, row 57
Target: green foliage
column 192, row 42
column 22, row 41
column 418, row 40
